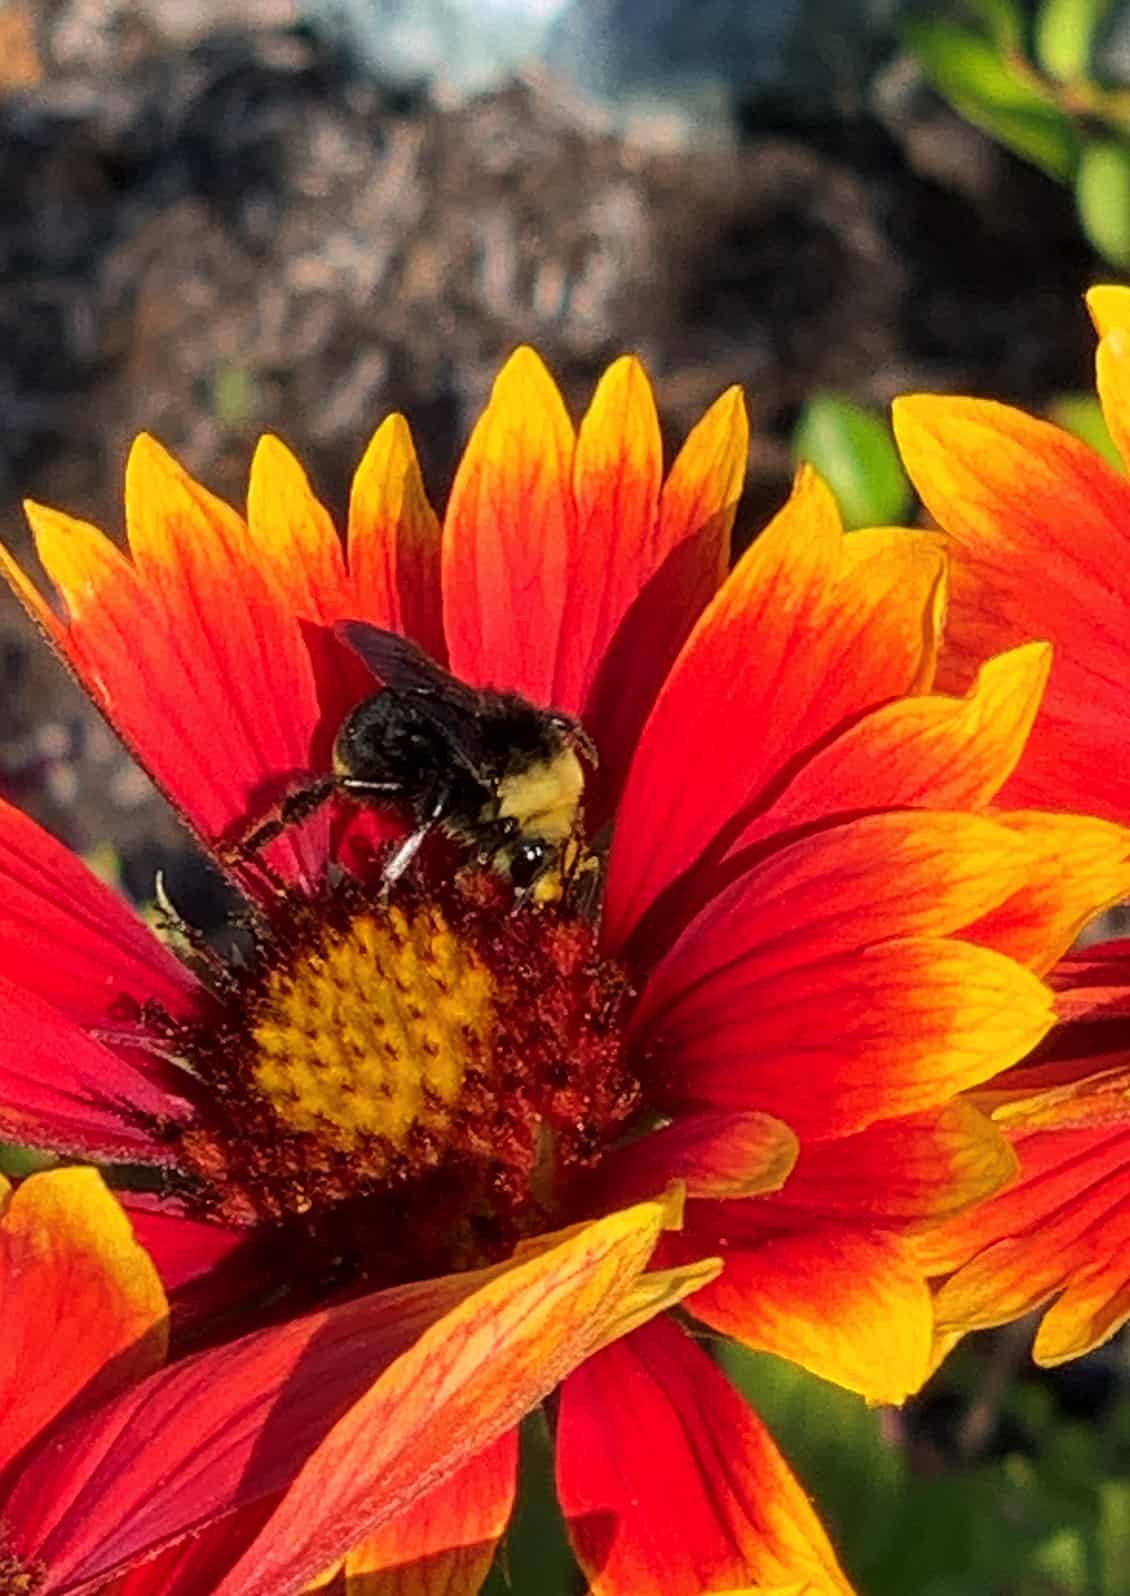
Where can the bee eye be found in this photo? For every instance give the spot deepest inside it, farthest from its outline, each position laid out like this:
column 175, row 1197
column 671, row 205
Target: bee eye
column 528, row 862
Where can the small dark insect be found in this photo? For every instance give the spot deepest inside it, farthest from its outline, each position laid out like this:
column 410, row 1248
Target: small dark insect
column 487, row 768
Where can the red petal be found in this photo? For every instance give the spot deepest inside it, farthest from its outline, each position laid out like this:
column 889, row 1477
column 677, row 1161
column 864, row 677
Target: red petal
column 713, row 1154
column 507, row 537
column 61, row 1089
column 394, row 542
column 83, row 1312
column 671, row 1483
column 66, row 937
column 801, row 637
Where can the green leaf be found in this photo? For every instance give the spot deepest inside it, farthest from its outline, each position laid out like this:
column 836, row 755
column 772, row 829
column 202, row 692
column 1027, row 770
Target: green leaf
column 1082, row 416
column 995, row 94
column 854, row 450
column 1065, row 34
column 1114, row 1537
column 1102, row 194
column 1002, row 20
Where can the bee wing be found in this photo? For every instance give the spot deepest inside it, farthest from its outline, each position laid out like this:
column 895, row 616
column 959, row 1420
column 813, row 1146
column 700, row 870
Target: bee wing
column 403, row 665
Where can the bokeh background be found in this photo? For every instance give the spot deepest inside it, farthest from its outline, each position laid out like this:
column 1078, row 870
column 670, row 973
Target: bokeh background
column 302, row 214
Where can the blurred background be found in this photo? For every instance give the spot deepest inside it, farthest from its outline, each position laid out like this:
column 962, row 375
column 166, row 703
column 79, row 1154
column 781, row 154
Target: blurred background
column 327, row 209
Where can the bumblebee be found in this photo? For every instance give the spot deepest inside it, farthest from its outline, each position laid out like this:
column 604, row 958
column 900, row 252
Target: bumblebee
column 488, row 769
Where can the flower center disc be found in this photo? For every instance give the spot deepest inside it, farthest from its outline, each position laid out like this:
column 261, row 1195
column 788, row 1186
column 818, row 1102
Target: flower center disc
column 370, row 1036
column 431, row 1065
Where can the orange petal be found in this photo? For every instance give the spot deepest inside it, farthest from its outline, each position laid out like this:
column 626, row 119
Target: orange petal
column 715, row 1154
column 1018, row 496
column 467, row 1380
column 1112, row 368
column 617, row 471
column 82, row 1307
column 705, row 482
column 1096, row 1301
column 394, row 541
column 291, row 532
column 1109, row 306
column 1079, row 867
column 785, row 1294
column 508, row 536
column 799, row 639
column 929, row 752
column 444, row 1544
column 671, row 1483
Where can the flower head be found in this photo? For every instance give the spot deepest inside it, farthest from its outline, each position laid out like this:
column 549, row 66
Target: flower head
column 783, row 930
column 1037, row 530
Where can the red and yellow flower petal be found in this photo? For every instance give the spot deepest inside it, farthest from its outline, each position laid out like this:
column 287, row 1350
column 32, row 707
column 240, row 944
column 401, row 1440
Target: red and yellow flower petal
column 1018, row 496
column 394, row 542
column 445, row 1543
column 68, row 938
column 508, row 536
column 686, row 564
column 1080, row 866
column 928, row 752
column 83, row 1312
column 651, row 1422
column 355, row 1412
column 799, row 639
column 60, row 1088
column 463, row 1384
column 847, row 1302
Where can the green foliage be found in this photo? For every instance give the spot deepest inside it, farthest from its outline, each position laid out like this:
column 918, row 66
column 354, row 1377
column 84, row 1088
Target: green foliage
column 535, row 1555
column 1065, row 35
column 854, row 451
column 1049, row 1517
column 996, row 91
column 1102, row 193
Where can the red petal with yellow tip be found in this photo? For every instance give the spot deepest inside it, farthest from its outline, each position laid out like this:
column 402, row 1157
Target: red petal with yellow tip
column 1017, row 497
column 649, row 1425
column 691, row 557
column 445, row 1543
column 394, row 542
column 799, row 639
column 82, row 1307
column 1080, row 867
column 903, row 1025
column 67, row 937
column 847, row 924
column 616, row 547
column 929, row 752
column 781, row 1292
column 508, row 536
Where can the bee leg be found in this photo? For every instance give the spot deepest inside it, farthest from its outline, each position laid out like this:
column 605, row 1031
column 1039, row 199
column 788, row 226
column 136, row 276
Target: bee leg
column 294, row 807
column 410, row 847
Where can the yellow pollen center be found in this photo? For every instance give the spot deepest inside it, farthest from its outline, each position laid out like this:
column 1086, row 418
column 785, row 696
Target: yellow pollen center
column 371, row 1033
